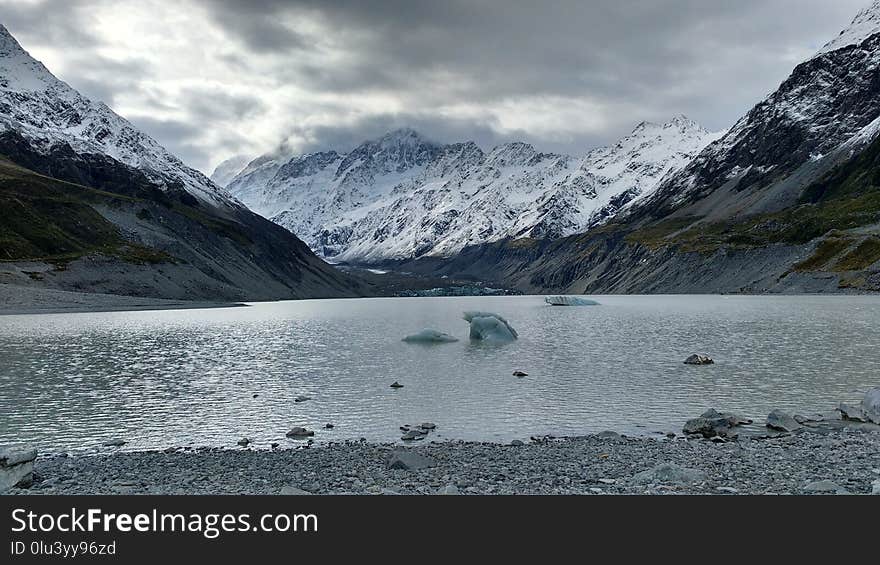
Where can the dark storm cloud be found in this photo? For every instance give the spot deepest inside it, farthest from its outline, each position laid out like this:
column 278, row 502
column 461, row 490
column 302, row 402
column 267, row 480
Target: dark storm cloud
column 231, row 76
column 641, row 60
column 439, row 129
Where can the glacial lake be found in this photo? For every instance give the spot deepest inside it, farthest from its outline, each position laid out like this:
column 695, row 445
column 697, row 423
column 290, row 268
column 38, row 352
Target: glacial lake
column 188, row 377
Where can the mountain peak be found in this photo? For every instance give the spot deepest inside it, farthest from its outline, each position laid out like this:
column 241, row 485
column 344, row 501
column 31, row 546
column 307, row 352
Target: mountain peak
column 864, row 25
column 18, row 70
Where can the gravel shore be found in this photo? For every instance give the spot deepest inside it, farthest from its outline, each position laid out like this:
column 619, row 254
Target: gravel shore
column 28, row 300
column 836, row 461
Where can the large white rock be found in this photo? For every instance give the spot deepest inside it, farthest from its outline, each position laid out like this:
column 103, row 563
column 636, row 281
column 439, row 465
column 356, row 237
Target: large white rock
column 871, row 404
column 486, row 326
column 16, row 465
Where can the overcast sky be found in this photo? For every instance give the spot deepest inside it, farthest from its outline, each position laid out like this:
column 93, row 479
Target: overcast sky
column 210, row 79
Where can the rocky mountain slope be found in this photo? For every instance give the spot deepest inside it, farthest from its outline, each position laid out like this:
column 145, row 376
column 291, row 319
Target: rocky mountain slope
column 788, row 200
column 89, row 203
column 403, row 196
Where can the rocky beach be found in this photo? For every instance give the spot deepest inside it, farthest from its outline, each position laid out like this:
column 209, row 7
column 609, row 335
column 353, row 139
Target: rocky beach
column 717, row 453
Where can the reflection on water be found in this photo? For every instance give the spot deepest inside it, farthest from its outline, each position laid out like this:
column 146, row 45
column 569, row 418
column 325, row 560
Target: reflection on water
column 188, row 377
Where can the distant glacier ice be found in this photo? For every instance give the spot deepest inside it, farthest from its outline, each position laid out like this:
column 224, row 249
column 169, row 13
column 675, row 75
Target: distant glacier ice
column 569, row 301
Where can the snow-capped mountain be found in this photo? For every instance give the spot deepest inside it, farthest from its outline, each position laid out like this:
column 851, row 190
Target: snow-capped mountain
column 816, row 117
column 228, row 170
column 47, row 111
column 403, row 196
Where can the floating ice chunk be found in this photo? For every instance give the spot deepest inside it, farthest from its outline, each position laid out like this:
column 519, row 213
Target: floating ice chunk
column 486, row 326
column 430, row 336
column 569, row 301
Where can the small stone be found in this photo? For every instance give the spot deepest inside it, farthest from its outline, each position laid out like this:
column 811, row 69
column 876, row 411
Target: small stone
column 608, row 434
column 825, row 486
column 302, row 398
column 730, row 490
column 608, row 481
column 274, row 445
column 449, row 490
column 114, row 443
column 294, row 491
column 517, row 443
column 697, row 359
column 669, row 474
column 396, row 384
column 328, row 426
column 520, row 374
column 407, row 460
column 413, row 435
column 875, row 487
column 256, row 395
column 244, row 442
column 428, row 426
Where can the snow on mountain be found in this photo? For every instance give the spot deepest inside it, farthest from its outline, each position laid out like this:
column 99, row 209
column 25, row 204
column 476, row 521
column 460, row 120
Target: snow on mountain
column 228, row 170
column 403, row 196
column 828, row 100
column 47, row 111
column 865, row 24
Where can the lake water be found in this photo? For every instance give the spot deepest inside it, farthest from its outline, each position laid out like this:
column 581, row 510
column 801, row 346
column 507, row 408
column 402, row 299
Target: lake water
column 188, row 377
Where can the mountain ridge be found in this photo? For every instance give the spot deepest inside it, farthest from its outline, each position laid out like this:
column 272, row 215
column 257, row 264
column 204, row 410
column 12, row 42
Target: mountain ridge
column 403, row 195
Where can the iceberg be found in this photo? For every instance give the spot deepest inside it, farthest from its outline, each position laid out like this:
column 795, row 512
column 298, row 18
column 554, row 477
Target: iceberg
column 569, row 301
column 486, row 326
column 430, row 336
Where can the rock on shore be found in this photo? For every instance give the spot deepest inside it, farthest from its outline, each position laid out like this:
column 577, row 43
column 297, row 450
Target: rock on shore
column 16, row 466
column 586, row 465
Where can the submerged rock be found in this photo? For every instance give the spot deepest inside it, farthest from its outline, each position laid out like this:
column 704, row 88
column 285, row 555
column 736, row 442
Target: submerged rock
column 520, row 374
column 669, row 474
column 486, row 326
column 782, row 421
column 114, row 443
column 16, row 466
column 396, row 384
column 300, row 432
column 302, row 398
column 569, row 301
column 697, row 359
column 713, row 424
column 430, row 336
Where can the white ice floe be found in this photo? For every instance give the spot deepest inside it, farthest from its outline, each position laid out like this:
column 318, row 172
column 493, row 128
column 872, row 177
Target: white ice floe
column 430, row 336
column 486, row 326
column 569, row 301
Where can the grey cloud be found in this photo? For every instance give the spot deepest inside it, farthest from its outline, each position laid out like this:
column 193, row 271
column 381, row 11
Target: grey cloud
column 51, row 21
column 710, row 60
column 319, row 72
